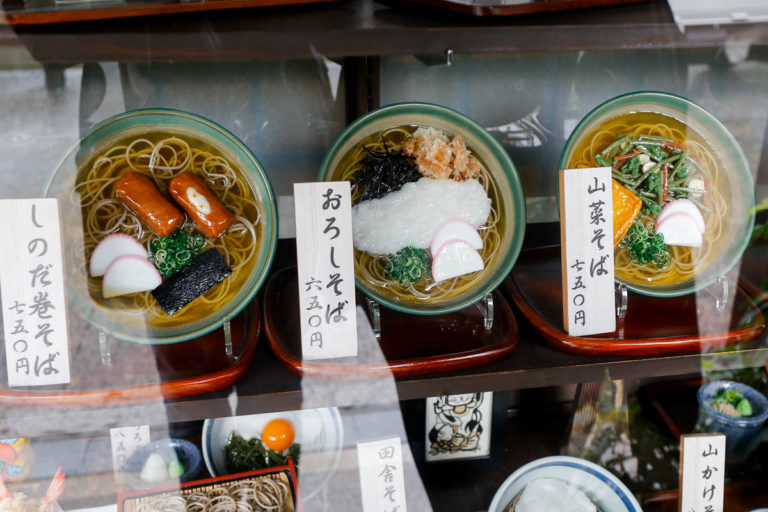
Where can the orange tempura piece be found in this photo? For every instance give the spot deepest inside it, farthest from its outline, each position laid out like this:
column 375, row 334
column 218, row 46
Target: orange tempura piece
column 626, row 206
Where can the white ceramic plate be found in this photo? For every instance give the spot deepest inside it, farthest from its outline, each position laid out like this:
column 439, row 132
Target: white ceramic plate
column 319, row 431
column 600, row 485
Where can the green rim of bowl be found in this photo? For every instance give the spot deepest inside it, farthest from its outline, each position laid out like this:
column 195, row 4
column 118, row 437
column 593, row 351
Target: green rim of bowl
column 212, row 131
column 497, row 152
column 724, row 136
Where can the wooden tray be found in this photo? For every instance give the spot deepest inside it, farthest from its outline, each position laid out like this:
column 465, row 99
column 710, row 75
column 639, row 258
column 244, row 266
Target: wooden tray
column 45, row 12
column 141, row 373
column 506, row 8
column 412, row 345
column 129, row 502
column 653, row 325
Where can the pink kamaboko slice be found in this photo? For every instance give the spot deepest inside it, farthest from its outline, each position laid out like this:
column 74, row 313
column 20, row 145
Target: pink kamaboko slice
column 455, row 258
column 682, row 206
column 112, row 247
column 130, row 274
column 456, row 229
column 680, row 229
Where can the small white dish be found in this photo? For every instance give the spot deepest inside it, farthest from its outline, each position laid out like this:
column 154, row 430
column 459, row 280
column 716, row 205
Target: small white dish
column 606, row 491
column 318, row 431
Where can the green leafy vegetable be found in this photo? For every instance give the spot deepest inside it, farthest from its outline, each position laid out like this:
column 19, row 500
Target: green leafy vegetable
column 729, row 400
column 384, row 171
column 744, row 407
column 249, row 455
column 632, row 167
column 171, row 253
column 653, row 184
column 645, row 246
column 657, row 153
column 600, row 160
column 407, row 266
column 175, row 469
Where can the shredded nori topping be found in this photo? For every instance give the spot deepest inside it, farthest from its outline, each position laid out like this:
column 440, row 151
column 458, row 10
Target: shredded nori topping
column 385, row 171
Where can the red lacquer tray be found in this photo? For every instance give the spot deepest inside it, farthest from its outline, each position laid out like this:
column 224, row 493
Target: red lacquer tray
column 45, row 12
column 506, row 8
column 128, row 502
column 141, row 373
column 653, row 325
column 411, row 344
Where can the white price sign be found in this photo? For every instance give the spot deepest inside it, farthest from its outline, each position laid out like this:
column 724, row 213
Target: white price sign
column 586, row 229
column 702, row 472
column 125, row 441
column 32, row 291
column 326, row 270
column 382, row 483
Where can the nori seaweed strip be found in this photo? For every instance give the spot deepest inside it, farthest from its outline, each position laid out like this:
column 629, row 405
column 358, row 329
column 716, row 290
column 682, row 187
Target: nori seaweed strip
column 385, row 171
column 197, row 277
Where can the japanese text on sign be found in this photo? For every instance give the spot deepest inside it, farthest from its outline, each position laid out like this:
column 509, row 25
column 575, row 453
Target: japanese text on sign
column 326, row 270
column 125, row 441
column 382, row 482
column 586, row 223
column 32, row 285
column 703, row 472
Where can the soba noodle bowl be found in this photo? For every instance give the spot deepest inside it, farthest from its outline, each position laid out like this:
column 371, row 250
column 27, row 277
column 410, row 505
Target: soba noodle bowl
column 370, row 269
column 684, row 262
column 161, row 155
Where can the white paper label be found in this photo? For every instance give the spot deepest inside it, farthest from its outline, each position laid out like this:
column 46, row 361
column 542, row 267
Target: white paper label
column 458, row 426
column 326, row 270
column 382, row 483
column 702, row 466
column 125, row 441
column 32, row 284
column 586, row 223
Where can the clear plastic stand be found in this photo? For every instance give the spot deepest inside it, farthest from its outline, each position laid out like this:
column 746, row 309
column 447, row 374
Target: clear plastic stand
column 722, row 296
column 622, row 298
column 437, row 60
column 486, row 306
column 106, row 356
column 720, row 290
column 228, row 347
column 375, row 310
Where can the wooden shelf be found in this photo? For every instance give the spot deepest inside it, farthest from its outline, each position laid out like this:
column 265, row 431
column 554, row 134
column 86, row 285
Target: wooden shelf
column 268, row 387
column 358, row 28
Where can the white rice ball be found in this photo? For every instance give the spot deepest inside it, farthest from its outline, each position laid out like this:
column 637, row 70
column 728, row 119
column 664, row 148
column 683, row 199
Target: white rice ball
column 411, row 216
column 550, row 494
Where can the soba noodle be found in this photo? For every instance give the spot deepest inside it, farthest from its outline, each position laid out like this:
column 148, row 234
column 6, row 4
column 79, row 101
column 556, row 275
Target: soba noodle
column 263, row 494
column 161, row 156
column 370, row 268
column 684, row 261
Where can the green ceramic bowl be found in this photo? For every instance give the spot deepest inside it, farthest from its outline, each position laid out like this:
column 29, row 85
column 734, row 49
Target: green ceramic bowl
column 740, row 196
column 139, row 327
column 511, row 201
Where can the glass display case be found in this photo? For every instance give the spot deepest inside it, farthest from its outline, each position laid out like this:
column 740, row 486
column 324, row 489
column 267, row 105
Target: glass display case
column 484, row 407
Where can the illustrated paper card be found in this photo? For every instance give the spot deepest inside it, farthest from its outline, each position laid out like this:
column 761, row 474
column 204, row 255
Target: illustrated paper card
column 459, row 426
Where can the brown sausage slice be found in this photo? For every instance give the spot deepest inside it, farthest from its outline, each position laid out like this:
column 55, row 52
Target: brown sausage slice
column 142, row 197
column 202, row 206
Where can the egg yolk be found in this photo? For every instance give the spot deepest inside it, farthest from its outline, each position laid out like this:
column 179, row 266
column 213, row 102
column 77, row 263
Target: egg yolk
column 278, row 435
